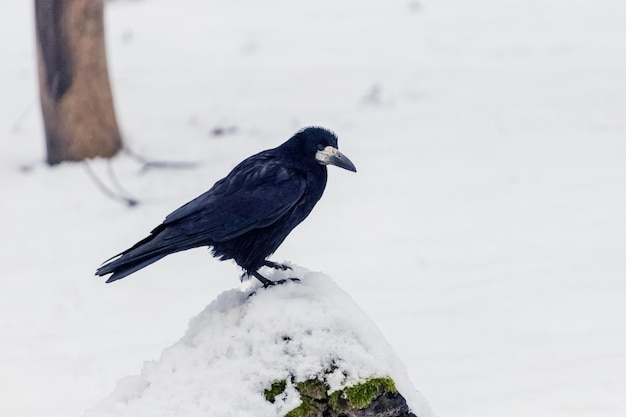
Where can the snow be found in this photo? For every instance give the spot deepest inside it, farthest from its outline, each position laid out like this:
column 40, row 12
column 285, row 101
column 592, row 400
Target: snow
column 247, row 339
column 484, row 232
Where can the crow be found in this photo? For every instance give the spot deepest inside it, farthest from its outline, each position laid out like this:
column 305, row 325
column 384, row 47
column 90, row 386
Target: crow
column 246, row 215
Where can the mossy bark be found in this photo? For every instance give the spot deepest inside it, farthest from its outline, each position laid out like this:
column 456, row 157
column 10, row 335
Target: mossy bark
column 376, row 397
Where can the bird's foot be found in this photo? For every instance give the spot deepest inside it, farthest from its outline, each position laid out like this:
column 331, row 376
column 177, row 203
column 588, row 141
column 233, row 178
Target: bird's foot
column 269, row 283
column 276, row 265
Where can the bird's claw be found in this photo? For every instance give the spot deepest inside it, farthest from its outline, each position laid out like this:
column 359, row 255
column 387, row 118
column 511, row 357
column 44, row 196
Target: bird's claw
column 270, row 283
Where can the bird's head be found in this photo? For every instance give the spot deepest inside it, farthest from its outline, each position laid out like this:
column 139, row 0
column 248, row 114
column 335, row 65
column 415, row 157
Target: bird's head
column 320, row 144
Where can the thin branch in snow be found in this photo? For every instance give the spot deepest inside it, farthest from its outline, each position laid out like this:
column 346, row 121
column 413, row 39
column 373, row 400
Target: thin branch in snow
column 117, row 195
column 16, row 127
column 148, row 164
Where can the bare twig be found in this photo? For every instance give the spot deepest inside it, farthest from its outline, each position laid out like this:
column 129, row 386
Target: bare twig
column 148, row 164
column 118, row 196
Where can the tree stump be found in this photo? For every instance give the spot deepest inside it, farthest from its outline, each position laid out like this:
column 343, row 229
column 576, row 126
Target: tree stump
column 75, row 93
column 300, row 349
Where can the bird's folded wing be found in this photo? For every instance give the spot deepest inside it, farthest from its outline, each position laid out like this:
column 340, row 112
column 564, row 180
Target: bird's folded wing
column 250, row 198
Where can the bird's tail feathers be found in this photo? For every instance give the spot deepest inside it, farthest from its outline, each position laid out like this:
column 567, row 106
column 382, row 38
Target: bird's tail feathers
column 144, row 253
column 124, row 267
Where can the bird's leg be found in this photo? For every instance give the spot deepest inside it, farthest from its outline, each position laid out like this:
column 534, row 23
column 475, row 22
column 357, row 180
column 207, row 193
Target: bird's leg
column 269, row 283
column 276, row 265
column 266, row 282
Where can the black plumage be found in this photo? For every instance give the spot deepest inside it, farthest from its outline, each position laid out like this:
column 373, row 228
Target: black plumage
column 246, row 215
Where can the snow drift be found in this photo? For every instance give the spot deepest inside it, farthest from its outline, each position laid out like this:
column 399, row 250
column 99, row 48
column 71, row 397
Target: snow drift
column 245, row 340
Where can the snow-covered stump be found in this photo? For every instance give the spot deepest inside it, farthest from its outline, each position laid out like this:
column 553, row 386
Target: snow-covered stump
column 298, row 349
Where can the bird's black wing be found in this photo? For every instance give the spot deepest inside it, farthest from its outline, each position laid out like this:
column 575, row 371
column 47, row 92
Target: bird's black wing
column 255, row 194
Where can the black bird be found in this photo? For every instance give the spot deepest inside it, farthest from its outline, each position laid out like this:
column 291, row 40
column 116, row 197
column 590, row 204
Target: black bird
column 246, row 215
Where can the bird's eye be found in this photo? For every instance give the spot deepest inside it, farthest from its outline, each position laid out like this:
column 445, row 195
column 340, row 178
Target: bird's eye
column 320, row 147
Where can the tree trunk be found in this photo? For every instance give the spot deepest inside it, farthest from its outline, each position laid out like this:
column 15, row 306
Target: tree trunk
column 76, row 100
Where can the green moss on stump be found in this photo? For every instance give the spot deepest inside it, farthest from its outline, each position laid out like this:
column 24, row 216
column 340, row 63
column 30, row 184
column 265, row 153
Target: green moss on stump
column 308, row 408
column 361, row 395
column 313, row 388
column 316, row 401
column 277, row 388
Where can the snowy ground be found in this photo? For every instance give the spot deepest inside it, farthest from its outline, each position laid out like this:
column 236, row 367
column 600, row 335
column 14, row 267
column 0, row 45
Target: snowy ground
column 247, row 339
column 484, row 232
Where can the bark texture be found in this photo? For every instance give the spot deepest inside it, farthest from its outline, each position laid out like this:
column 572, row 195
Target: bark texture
column 76, row 100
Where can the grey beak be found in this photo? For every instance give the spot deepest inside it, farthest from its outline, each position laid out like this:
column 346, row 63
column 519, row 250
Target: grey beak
column 331, row 156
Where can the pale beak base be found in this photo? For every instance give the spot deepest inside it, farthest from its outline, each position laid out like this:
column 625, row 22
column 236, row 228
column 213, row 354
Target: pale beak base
column 331, row 156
